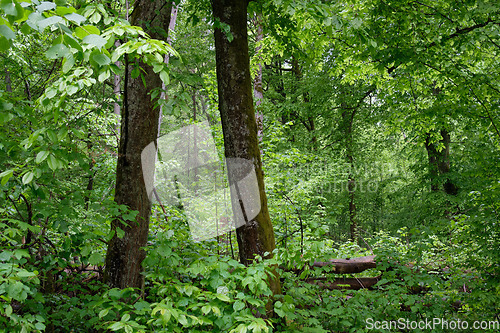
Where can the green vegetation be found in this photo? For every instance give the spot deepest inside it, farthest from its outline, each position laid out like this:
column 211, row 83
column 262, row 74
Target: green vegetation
column 374, row 126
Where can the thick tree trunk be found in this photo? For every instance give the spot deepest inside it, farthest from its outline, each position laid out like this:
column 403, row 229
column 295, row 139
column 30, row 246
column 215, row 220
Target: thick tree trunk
column 256, row 235
column 139, row 128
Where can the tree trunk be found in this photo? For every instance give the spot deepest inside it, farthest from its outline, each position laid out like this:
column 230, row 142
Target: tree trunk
column 257, row 85
column 139, row 127
column 309, row 121
column 348, row 113
column 256, row 235
column 118, row 93
column 348, row 120
column 439, row 163
column 8, row 81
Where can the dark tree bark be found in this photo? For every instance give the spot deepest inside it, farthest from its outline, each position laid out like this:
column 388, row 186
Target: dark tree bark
column 349, row 111
column 139, row 127
column 348, row 120
column 256, row 236
column 439, row 163
column 309, row 121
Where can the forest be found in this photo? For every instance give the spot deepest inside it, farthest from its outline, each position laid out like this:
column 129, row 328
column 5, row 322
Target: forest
column 249, row 166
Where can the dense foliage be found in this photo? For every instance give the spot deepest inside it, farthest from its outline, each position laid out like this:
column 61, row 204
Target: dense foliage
column 380, row 137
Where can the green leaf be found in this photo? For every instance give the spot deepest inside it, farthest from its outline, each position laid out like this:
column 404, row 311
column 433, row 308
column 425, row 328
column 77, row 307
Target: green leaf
column 21, row 253
column 15, row 291
column 7, row 32
column 62, row 133
column 247, row 280
column 101, row 59
column 95, row 259
column 72, row 42
column 206, row 309
column 95, row 40
column 238, row 305
column 63, row 10
column 6, row 176
column 95, row 18
column 69, row 62
column 82, row 32
column 28, row 177
column 116, row 326
column 103, row 313
column 51, row 92
column 40, row 326
column 52, row 162
column 4, row 44
column 25, row 29
column 71, row 89
column 164, row 77
column 41, row 156
column 223, row 297
column 75, row 18
column 12, row 8
column 57, row 51
column 157, row 67
column 52, row 135
column 120, row 233
column 49, row 21
column 45, row 5
column 142, row 305
column 4, row 106
column 103, row 76
column 183, row 320
column 115, row 294
column 8, row 310
column 135, row 72
column 25, row 273
column 5, row 117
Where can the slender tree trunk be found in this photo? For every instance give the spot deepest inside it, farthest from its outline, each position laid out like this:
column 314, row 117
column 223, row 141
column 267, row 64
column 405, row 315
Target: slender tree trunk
column 256, row 236
column 309, row 121
column 439, row 163
column 139, row 128
column 348, row 120
column 8, row 82
column 118, row 93
column 348, row 114
column 433, row 167
column 171, row 27
column 257, row 83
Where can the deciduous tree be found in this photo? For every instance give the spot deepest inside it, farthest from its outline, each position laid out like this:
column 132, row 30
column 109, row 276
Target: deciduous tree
column 256, row 236
column 139, row 127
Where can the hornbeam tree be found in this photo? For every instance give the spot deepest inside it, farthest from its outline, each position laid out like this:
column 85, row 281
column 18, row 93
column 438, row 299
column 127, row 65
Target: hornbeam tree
column 256, row 236
column 139, row 127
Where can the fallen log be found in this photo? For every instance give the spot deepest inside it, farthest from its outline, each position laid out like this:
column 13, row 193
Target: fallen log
column 345, row 283
column 342, row 266
column 347, row 266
